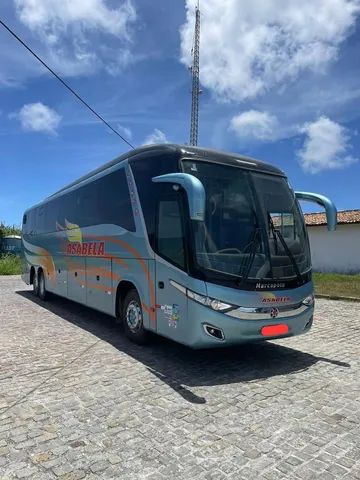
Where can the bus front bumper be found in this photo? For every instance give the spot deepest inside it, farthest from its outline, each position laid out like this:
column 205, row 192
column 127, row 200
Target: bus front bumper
column 216, row 329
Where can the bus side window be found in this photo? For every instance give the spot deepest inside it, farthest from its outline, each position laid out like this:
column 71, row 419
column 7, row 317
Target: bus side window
column 51, row 214
column 114, row 200
column 170, row 234
column 40, row 220
column 29, row 226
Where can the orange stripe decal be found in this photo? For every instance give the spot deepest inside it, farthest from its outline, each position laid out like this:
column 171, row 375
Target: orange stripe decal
column 94, row 285
column 142, row 263
column 73, row 266
column 103, row 272
column 148, row 309
column 99, row 287
column 121, row 262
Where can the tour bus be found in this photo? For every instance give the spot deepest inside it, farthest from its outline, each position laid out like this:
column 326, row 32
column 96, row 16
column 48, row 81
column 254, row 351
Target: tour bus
column 203, row 247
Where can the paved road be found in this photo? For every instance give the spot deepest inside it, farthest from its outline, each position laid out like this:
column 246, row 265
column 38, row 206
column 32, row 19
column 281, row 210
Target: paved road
column 77, row 400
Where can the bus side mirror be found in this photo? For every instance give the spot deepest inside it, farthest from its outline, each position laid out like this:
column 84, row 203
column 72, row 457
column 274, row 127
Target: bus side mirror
column 194, row 189
column 330, row 209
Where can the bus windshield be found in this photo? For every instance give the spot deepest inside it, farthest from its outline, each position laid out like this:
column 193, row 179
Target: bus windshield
column 253, row 227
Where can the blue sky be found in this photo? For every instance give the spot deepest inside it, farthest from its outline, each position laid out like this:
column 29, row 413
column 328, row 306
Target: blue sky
column 280, row 82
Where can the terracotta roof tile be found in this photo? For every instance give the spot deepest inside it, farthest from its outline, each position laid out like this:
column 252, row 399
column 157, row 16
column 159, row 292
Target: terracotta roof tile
column 343, row 216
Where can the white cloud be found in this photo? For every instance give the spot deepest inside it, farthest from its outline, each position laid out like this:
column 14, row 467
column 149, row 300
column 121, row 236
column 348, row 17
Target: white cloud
column 125, row 131
column 255, row 125
column 52, row 17
column 74, row 32
column 248, row 47
column 37, row 117
column 325, row 147
column 157, row 136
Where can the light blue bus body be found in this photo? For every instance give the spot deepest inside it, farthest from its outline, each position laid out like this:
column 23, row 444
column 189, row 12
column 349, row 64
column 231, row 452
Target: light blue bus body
column 179, row 241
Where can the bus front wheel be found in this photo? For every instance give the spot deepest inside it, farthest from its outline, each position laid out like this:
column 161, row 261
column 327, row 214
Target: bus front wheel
column 133, row 319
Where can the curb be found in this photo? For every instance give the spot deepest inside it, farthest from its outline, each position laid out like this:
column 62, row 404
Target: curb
column 335, row 297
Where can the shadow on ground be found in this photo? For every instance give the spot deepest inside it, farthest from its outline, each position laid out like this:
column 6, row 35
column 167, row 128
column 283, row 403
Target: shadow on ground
column 181, row 367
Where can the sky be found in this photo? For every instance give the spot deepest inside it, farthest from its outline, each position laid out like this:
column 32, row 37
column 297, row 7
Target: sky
column 280, row 82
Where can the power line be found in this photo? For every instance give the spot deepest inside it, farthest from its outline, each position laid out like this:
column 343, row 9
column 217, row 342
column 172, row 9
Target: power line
column 64, row 83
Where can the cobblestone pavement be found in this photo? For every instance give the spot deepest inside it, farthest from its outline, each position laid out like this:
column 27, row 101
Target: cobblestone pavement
column 77, row 400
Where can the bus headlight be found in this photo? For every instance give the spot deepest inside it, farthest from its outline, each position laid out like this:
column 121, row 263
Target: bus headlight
column 220, row 306
column 212, row 303
column 309, row 300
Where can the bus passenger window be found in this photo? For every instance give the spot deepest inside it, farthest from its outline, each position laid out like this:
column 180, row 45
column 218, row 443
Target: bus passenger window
column 170, row 235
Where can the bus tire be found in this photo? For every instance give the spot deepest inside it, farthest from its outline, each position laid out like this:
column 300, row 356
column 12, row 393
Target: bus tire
column 35, row 284
column 132, row 318
column 42, row 286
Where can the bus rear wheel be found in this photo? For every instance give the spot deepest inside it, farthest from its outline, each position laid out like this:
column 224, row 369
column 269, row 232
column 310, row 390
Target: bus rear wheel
column 35, row 283
column 132, row 318
column 42, row 287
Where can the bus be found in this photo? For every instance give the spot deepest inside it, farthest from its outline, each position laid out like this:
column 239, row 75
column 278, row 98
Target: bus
column 10, row 244
column 200, row 246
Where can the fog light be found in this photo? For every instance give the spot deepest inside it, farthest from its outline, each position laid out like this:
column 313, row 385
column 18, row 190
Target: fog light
column 214, row 332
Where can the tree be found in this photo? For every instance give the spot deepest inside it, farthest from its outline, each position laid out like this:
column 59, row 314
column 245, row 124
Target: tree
column 9, row 230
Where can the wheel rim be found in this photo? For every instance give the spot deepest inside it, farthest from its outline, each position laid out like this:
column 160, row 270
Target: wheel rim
column 134, row 316
column 35, row 282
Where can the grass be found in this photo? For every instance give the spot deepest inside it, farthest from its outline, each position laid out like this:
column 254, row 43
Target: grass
column 10, row 265
column 338, row 285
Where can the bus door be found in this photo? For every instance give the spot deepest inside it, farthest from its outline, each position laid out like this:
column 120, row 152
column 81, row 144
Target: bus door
column 170, row 266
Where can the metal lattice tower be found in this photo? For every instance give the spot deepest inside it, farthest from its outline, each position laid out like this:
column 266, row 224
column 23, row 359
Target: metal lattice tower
column 195, row 71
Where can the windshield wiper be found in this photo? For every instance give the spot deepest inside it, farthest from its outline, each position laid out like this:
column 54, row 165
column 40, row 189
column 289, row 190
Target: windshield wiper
column 252, row 253
column 277, row 232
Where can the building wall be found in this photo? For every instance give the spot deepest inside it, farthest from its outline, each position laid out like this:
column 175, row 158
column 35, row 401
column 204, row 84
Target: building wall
column 337, row 251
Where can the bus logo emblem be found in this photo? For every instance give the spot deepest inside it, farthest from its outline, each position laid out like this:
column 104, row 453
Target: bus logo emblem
column 274, row 312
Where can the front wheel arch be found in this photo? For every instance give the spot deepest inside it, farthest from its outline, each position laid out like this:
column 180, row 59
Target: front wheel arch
column 123, row 288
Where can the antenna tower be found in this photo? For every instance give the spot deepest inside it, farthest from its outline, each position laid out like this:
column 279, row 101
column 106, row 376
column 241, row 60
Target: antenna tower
column 195, row 72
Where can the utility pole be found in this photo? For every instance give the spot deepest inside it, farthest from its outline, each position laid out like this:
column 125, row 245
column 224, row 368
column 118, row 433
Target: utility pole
column 195, row 72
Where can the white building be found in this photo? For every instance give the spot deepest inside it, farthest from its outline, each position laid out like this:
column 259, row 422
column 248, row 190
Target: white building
column 337, row 251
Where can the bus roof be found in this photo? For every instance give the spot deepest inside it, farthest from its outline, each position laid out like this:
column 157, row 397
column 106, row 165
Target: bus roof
column 216, row 156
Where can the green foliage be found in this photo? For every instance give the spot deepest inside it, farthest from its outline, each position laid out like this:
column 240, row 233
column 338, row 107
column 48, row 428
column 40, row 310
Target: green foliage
column 337, row 285
column 10, row 265
column 9, row 230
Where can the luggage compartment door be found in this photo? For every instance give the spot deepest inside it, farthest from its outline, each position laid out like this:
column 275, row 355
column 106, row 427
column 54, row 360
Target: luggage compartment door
column 77, row 280
column 99, row 284
column 60, row 286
